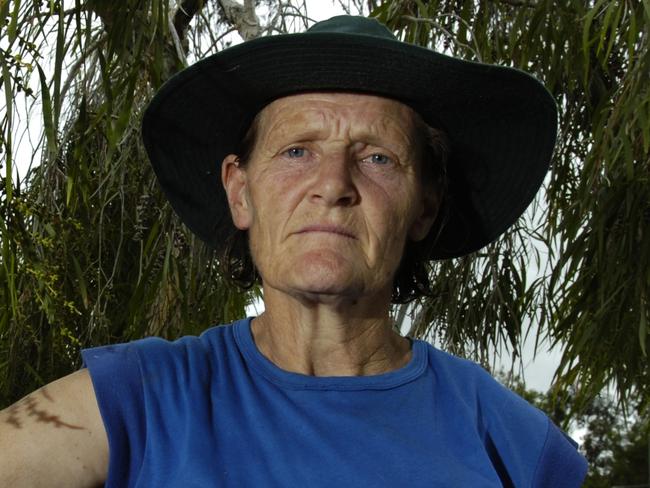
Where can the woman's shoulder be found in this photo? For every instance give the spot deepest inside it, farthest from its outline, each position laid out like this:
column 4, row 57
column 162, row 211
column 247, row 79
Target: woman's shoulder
column 188, row 358
column 519, row 437
column 461, row 373
column 466, row 381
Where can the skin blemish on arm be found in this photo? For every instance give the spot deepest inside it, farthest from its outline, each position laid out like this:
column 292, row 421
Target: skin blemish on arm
column 43, row 391
column 30, row 407
column 13, row 419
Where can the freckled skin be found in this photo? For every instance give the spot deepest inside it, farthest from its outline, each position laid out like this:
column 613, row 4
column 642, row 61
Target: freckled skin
column 355, row 167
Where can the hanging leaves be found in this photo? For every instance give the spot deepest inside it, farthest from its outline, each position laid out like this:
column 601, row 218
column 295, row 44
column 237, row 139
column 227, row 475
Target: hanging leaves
column 92, row 254
column 589, row 293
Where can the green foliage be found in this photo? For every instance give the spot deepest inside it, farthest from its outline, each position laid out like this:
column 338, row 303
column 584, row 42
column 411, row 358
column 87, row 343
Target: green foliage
column 617, row 448
column 578, row 266
column 92, row 254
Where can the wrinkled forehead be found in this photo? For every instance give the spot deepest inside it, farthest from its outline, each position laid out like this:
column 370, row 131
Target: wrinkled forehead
column 339, row 111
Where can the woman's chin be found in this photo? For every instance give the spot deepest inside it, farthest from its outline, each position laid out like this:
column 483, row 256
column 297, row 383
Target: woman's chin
column 325, row 281
column 323, row 277
column 326, row 276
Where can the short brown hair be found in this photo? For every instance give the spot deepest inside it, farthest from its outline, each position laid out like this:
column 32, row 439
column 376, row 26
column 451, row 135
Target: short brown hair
column 411, row 279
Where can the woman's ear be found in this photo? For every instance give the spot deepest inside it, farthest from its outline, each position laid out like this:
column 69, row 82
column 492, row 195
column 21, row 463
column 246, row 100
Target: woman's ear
column 235, row 183
column 429, row 207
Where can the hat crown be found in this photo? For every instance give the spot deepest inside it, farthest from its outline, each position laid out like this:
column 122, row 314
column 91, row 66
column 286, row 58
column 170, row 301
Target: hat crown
column 352, row 24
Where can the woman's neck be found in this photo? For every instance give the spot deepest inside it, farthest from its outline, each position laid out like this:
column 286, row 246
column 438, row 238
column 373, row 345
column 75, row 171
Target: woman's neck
column 324, row 338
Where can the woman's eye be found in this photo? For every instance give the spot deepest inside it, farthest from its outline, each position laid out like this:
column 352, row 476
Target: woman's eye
column 379, row 158
column 295, row 152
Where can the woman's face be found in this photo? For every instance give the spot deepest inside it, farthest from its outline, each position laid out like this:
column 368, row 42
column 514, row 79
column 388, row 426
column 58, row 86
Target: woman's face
column 331, row 193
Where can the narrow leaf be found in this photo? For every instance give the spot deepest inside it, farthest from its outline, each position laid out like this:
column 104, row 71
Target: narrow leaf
column 4, row 13
column 48, row 122
column 586, row 37
column 9, row 110
column 11, row 30
column 58, row 63
column 81, row 282
column 69, row 186
column 643, row 331
column 605, row 27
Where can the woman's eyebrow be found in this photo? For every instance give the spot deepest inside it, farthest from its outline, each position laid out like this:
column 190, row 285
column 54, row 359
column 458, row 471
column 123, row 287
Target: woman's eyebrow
column 400, row 145
column 382, row 132
column 296, row 127
column 275, row 139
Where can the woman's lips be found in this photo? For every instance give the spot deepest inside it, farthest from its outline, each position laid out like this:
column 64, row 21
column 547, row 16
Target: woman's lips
column 327, row 228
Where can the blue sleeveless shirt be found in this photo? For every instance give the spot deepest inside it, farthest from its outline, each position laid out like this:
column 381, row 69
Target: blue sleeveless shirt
column 212, row 411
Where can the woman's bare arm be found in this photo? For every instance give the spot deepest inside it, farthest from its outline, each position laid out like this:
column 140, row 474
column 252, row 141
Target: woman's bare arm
column 54, row 437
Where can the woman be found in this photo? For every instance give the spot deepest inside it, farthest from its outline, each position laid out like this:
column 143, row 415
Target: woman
column 334, row 191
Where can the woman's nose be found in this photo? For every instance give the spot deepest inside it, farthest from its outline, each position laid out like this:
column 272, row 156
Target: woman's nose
column 334, row 183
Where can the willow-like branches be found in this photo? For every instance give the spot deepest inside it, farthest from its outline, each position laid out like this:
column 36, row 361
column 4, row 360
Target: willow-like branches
column 576, row 271
column 92, row 254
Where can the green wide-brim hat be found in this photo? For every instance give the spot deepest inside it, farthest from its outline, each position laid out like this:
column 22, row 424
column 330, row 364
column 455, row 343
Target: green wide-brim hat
column 501, row 122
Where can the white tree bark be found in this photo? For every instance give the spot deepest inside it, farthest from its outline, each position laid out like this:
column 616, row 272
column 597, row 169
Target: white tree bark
column 242, row 17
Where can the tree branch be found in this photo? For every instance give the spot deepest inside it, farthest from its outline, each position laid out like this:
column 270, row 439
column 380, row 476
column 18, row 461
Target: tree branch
column 519, row 3
column 184, row 15
column 449, row 35
column 242, row 17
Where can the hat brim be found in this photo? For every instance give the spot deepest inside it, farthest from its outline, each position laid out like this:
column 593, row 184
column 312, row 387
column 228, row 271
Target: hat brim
column 501, row 123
